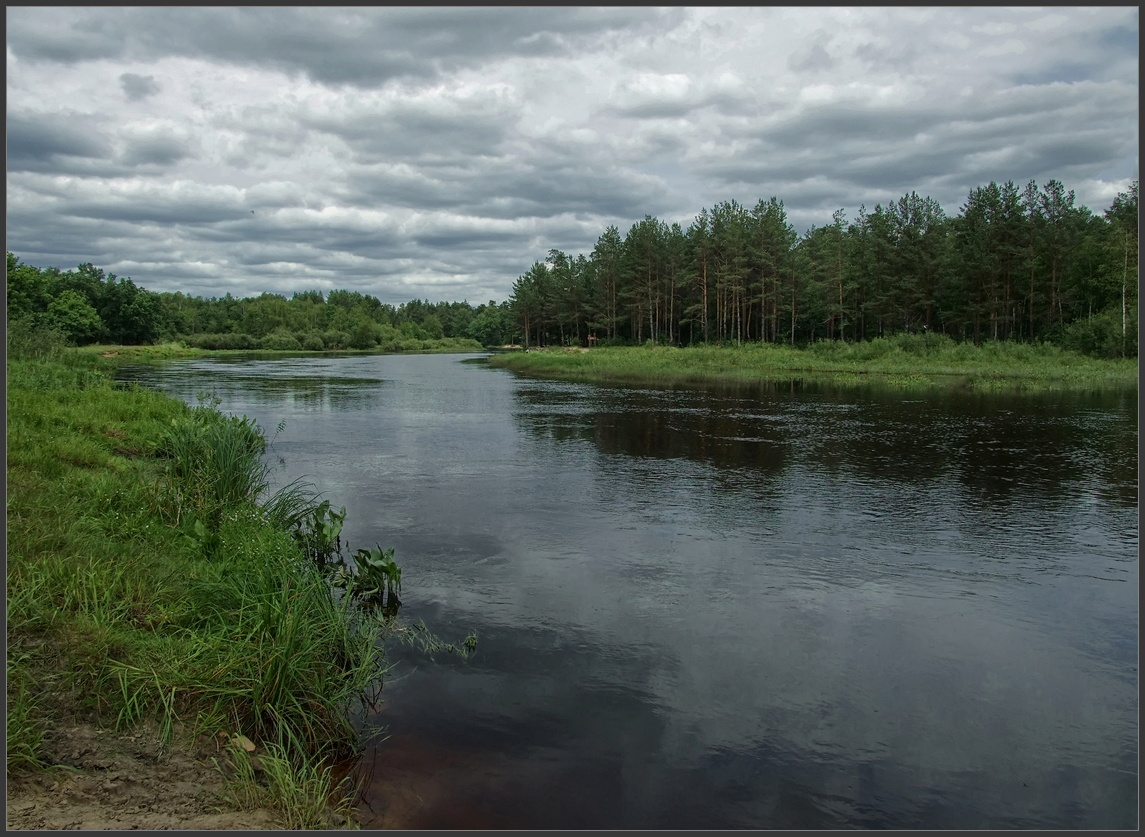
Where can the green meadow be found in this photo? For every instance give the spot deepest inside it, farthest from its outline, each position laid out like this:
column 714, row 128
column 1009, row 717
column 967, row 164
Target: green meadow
column 931, row 360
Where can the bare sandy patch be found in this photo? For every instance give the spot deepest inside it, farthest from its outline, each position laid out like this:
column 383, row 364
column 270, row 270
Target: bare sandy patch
column 109, row 780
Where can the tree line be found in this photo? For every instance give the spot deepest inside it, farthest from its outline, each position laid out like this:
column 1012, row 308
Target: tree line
column 88, row 306
column 1023, row 264
column 1015, row 264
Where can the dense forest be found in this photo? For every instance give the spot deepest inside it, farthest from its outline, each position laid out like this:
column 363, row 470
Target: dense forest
column 1015, row 264
column 88, row 306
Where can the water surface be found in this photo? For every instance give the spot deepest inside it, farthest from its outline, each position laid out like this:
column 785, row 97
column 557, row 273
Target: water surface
column 789, row 606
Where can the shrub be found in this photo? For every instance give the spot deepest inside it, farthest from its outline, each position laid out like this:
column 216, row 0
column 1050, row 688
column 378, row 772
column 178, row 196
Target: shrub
column 30, row 337
column 280, row 341
column 336, row 339
column 926, row 344
column 214, row 342
column 364, row 336
column 1100, row 335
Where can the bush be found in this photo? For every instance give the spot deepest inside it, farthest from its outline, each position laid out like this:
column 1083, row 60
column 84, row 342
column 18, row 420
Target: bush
column 280, row 342
column 1100, row 335
column 825, row 347
column 74, row 315
column 336, row 339
column 30, row 337
column 215, row 342
column 364, row 336
column 926, row 344
column 313, row 343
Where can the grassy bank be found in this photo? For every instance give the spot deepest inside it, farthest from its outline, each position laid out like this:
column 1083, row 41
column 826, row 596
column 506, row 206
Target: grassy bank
column 902, row 361
column 153, row 578
column 177, row 351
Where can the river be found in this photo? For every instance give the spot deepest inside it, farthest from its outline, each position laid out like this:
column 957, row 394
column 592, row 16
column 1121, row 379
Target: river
column 796, row 606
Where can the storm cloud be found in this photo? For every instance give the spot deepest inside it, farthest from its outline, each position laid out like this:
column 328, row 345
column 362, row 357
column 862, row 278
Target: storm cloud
column 437, row 152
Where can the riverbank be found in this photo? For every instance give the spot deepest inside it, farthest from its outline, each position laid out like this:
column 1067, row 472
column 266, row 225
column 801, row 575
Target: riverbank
column 165, row 624
column 905, row 361
column 181, row 351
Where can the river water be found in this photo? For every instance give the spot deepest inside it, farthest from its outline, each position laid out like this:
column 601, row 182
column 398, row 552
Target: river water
column 796, row 606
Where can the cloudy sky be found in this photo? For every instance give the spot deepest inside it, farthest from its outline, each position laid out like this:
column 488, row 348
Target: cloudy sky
column 436, row 153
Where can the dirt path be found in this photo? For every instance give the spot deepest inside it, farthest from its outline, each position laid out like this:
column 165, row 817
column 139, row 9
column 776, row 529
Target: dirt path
column 109, row 780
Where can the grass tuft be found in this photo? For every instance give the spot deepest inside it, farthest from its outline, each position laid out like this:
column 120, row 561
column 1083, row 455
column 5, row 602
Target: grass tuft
column 304, row 792
column 26, row 718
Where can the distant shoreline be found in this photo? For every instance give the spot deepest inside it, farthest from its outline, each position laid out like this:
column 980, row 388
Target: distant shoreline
column 901, row 361
column 179, row 351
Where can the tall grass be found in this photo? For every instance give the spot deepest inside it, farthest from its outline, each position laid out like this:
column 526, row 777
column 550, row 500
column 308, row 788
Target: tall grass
column 27, row 339
column 921, row 360
column 153, row 577
column 302, row 794
column 214, row 464
column 26, row 717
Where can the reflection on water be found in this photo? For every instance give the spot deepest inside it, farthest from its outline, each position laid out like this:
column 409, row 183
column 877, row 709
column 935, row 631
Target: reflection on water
column 795, row 606
column 267, row 385
column 993, row 444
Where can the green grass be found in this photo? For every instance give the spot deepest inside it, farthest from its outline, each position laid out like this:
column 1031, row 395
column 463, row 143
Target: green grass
column 178, row 351
column 905, row 361
column 158, row 351
column 26, row 717
column 150, row 577
column 306, row 795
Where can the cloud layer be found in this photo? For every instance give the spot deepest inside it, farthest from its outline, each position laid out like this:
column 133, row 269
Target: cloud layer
column 431, row 152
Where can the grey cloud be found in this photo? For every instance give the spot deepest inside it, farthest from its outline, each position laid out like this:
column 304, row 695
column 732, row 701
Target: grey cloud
column 206, row 285
column 261, row 254
column 547, row 180
column 1065, row 71
column 816, row 58
column 155, row 151
column 655, row 109
column 1049, row 101
column 224, row 234
column 140, row 209
column 409, row 133
column 1066, row 157
column 75, row 144
column 900, row 55
column 869, row 175
column 723, row 102
column 847, row 122
column 949, row 146
column 1087, row 55
column 36, row 142
column 462, row 186
column 475, row 239
column 1120, row 39
column 362, row 46
column 66, row 35
column 371, row 186
column 137, row 87
column 71, row 241
column 272, row 238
